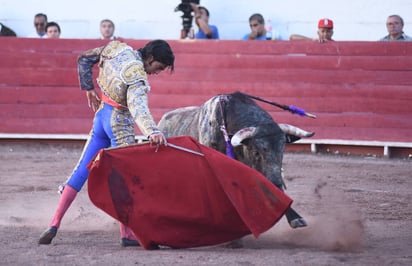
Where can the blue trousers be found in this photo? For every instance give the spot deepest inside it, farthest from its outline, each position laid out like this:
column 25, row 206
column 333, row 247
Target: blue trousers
column 112, row 127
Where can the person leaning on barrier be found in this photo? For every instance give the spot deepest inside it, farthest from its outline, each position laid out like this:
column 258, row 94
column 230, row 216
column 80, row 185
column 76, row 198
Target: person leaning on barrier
column 257, row 28
column 325, row 32
column 394, row 25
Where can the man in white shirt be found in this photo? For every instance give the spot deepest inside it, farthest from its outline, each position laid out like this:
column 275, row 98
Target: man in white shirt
column 40, row 22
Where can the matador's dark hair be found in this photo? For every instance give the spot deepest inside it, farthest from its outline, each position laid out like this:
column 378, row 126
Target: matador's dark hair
column 161, row 52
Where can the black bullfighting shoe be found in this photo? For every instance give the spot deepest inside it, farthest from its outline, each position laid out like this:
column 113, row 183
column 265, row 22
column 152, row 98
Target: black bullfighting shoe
column 124, row 242
column 48, row 235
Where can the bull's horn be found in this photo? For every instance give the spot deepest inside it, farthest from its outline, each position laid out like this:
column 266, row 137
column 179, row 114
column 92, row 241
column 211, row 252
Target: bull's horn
column 295, row 131
column 241, row 135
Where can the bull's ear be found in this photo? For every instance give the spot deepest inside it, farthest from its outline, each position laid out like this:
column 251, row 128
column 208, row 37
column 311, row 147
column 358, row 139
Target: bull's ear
column 243, row 134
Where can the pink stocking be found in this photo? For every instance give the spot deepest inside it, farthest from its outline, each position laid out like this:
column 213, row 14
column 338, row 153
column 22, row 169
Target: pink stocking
column 65, row 201
column 126, row 232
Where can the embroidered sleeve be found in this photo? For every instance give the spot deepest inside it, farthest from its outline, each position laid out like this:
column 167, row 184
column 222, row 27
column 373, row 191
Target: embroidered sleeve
column 137, row 102
column 85, row 63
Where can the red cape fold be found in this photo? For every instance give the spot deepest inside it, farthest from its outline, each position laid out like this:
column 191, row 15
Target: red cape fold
column 179, row 199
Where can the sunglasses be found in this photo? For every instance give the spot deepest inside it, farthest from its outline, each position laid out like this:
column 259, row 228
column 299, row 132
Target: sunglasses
column 39, row 24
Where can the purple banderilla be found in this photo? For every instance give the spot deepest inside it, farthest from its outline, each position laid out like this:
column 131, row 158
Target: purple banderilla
column 229, row 148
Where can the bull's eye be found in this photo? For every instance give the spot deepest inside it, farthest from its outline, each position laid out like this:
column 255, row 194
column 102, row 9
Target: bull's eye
column 256, row 154
column 246, row 142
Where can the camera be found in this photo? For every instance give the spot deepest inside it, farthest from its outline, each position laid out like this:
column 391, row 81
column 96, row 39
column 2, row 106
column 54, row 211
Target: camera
column 187, row 16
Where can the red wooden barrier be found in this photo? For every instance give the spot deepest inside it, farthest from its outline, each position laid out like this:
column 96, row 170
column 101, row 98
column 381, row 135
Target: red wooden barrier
column 359, row 90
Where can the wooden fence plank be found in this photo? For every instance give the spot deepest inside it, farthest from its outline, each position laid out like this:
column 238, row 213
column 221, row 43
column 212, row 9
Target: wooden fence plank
column 358, row 90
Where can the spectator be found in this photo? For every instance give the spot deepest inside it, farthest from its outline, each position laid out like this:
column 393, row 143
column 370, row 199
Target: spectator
column 6, row 31
column 107, row 29
column 40, row 22
column 394, row 25
column 206, row 31
column 53, row 30
column 257, row 26
column 325, row 32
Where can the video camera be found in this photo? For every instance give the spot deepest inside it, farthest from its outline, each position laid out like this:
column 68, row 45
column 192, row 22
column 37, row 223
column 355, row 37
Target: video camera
column 187, row 16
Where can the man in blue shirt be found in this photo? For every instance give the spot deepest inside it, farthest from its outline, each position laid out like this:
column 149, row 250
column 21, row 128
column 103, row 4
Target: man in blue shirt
column 257, row 27
column 206, row 31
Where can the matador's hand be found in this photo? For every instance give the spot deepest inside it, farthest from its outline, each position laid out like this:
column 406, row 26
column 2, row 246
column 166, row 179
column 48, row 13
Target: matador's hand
column 157, row 138
column 93, row 99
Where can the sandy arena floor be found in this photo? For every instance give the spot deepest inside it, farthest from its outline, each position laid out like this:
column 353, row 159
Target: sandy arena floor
column 358, row 208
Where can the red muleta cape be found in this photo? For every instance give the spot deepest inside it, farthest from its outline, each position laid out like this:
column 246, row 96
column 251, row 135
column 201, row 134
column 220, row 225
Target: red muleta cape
column 179, row 199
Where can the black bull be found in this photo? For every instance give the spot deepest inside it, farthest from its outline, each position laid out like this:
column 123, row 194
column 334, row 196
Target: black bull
column 263, row 151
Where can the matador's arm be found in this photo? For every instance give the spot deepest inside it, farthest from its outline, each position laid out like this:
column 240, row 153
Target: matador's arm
column 85, row 63
column 137, row 102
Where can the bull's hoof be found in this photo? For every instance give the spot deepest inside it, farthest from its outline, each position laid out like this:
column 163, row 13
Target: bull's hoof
column 153, row 246
column 298, row 222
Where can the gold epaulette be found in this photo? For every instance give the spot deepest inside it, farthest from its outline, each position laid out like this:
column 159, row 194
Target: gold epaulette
column 133, row 72
column 114, row 48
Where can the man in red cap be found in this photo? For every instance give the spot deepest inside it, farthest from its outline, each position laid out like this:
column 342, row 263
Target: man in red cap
column 325, row 32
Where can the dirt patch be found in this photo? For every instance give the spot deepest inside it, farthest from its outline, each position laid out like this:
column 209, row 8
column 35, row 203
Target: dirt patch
column 358, row 210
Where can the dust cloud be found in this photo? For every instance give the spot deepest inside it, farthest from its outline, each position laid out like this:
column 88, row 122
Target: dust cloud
column 339, row 227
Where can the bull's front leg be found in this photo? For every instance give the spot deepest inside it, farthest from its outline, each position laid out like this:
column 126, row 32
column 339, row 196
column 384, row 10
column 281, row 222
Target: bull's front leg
column 294, row 219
